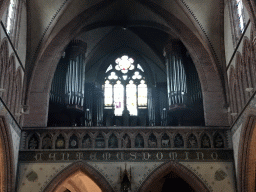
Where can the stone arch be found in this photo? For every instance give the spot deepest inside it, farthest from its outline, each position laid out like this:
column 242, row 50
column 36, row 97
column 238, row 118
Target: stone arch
column 253, row 56
column 86, row 169
column 218, row 143
column 17, row 95
column 247, row 58
column 11, row 71
column 233, row 92
column 242, row 82
column 201, row 142
column 3, row 6
column 52, row 48
column 247, row 155
column 172, row 166
column 251, row 8
column 4, row 55
column 36, row 134
column 7, row 173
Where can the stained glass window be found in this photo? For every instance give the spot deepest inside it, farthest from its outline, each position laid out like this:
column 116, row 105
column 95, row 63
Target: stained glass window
column 142, row 93
column 119, row 98
column 125, row 84
column 108, row 94
column 131, row 98
column 124, row 64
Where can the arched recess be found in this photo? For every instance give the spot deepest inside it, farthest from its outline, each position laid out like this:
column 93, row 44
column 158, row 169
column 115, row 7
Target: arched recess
column 241, row 81
column 247, row 57
column 3, row 6
column 7, row 176
column 251, row 8
column 247, row 155
column 51, row 50
column 171, row 166
column 11, row 74
column 4, row 56
column 17, row 95
column 74, row 170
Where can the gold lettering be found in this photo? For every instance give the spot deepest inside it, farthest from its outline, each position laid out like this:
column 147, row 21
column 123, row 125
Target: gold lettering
column 106, row 156
column 161, row 156
column 134, row 155
column 120, row 156
column 63, row 156
column 40, row 156
column 173, row 155
column 79, row 156
column 186, row 154
column 214, row 156
column 146, row 154
column 93, row 156
column 200, row 154
column 52, row 156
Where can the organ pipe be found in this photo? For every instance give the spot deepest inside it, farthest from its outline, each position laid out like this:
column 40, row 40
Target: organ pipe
column 68, row 82
column 183, row 84
column 176, row 79
column 74, row 82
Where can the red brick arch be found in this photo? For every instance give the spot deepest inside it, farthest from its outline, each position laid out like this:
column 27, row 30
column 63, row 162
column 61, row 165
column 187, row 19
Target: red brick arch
column 247, row 155
column 171, row 166
column 7, row 176
column 86, row 169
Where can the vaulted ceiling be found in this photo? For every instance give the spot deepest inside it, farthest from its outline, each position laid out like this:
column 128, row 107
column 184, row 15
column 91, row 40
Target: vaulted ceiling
column 137, row 25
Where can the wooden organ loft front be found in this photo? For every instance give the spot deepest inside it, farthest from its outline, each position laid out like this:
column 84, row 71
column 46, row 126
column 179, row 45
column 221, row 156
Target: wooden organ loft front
column 126, row 92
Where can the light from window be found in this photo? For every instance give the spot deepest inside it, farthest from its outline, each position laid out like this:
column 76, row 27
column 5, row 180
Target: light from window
column 119, row 98
column 140, row 68
column 239, row 7
column 124, row 64
column 125, row 84
column 131, row 98
column 108, row 94
column 142, row 93
column 109, row 68
column 137, row 75
column 11, row 15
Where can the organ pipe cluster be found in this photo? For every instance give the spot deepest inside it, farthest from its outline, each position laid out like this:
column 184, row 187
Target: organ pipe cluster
column 74, row 87
column 183, row 84
column 176, row 80
column 68, row 83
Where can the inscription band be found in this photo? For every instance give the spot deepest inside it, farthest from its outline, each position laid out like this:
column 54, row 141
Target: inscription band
column 108, row 155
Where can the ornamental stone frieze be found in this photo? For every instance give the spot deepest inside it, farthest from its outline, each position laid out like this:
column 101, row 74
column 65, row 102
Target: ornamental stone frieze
column 125, row 144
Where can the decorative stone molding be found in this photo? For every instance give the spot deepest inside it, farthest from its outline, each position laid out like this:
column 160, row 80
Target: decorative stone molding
column 7, row 161
column 172, row 166
column 117, row 134
column 88, row 170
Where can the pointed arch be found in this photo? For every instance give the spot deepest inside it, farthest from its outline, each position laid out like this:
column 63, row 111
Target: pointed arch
column 7, row 174
column 3, row 6
column 247, row 155
column 17, row 94
column 84, row 168
column 52, row 47
column 11, row 75
column 251, row 8
column 247, row 57
column 241, row 81
column 171, row 166
column 234, row 94
column 4, row 55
